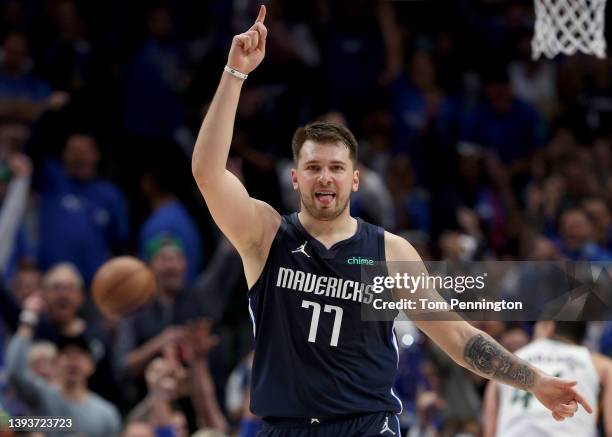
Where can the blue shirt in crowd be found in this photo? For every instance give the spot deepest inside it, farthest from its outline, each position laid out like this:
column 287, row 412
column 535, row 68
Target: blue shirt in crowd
column 513, row 135
column 82, row 222
column 23, row 87
column 23, row 249
column 174, row 219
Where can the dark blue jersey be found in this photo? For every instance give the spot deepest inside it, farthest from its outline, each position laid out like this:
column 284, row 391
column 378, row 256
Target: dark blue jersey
column 314, row 356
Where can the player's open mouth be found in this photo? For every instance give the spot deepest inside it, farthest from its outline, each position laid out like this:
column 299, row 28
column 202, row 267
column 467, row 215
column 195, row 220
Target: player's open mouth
column 325, row 197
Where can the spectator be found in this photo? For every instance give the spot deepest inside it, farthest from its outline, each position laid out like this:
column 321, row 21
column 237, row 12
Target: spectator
column 27, row 280
column 42, row 361
column 68, row 59
column 577, row 238
column 169, row 216
column 62, row 291
column 170, row 381
column 535, row 82
column 165, row 380
column 373, row 201
column 222, row 279
column 64, row 295
column 23, row 97
column 82, row 218
column 599, row 213
column 197, row 345
column 14, row 198
column 238, row 398
column 155, row 78
column 461, row 400
column 416, row 102
column 509, row 128
column 142, row 337
column 71, row 397
column 412, row 204
column 429, row 404
column 345, row 48
column 376, row 145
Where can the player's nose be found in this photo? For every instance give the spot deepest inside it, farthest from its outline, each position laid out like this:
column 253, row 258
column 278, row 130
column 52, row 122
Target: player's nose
column 325, row 176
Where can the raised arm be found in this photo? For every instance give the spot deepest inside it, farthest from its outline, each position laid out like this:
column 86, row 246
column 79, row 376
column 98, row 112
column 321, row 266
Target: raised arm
column 30, row 387
column 15, row 204
column 477, row 351
column 245, row 221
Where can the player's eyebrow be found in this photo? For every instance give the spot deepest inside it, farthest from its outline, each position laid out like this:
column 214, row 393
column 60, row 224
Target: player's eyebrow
column 316, row 161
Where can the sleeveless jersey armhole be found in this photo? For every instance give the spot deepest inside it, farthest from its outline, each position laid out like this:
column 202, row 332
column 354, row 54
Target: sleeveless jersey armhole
column 282, row 229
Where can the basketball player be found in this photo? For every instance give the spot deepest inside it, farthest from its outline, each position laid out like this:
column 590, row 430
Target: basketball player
column 509, row 412
column 318, row 369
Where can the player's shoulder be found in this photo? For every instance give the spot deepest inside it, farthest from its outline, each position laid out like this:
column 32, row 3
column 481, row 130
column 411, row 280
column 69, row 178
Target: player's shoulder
column 399, row 249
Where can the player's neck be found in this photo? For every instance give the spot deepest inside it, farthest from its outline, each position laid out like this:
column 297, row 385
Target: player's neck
column 329, row 232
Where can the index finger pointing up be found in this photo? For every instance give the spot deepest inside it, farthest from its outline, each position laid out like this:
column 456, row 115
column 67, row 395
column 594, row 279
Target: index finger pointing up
column 262, row 14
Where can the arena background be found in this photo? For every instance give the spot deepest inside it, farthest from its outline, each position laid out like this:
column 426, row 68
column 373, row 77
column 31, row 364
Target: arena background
column 468, row 149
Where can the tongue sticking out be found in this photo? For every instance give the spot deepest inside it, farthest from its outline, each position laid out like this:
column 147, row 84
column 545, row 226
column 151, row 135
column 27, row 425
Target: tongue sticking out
column 325, row 199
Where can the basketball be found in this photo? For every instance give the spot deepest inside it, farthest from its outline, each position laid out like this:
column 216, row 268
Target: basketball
column 122, row 285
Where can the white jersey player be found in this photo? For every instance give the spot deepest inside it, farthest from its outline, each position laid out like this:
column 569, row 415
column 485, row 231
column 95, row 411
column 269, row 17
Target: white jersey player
column 509, row 412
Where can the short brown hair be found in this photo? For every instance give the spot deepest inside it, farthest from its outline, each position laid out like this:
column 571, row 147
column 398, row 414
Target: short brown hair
column 324, row 132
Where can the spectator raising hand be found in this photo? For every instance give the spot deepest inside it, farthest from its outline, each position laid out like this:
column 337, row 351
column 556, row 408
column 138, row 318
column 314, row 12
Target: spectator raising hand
column 13, row 203
column 199, row 342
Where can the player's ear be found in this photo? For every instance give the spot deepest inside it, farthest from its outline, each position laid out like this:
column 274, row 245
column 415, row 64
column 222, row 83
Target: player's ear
column 294, row 180
column 355, row 186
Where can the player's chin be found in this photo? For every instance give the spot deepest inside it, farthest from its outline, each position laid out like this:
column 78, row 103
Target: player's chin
column 328, row 213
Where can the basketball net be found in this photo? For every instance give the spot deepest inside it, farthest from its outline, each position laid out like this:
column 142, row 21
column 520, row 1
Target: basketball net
column 569, row 26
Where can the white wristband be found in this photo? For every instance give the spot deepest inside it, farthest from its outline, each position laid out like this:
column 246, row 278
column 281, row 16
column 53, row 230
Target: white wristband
column 235, row 73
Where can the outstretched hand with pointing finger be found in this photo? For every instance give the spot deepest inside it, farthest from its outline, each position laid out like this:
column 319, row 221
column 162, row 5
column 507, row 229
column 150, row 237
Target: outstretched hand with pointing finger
column 249, row 48
column 560, row 397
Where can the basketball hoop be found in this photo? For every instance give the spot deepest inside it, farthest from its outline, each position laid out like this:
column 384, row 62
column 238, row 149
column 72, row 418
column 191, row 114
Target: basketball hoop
column 569, row 26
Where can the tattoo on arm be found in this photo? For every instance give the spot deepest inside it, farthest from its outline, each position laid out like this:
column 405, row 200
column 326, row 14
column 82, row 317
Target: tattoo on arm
column 489, row 358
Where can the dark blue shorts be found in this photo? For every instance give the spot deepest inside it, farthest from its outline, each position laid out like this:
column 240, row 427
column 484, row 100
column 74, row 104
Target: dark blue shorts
column 382, row 424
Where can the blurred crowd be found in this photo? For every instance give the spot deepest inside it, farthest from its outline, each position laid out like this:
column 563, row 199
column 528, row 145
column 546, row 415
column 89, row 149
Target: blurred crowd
column 469, row 149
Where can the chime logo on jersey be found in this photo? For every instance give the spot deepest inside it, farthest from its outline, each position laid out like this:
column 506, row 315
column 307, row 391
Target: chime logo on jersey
column 357, row 260
column 330, row 286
